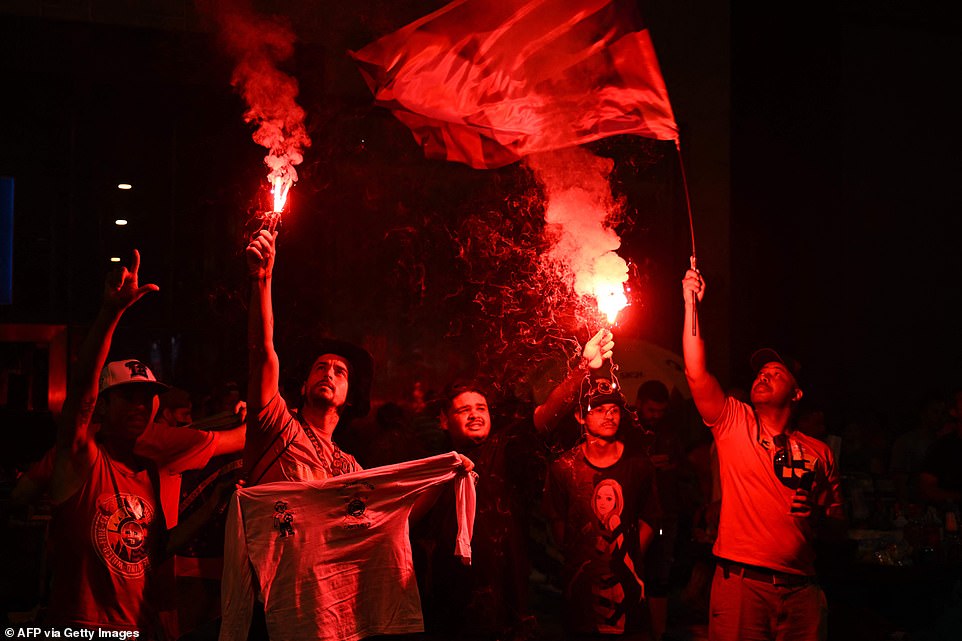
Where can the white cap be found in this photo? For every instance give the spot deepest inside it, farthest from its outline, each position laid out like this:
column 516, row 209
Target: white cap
column 129, row 372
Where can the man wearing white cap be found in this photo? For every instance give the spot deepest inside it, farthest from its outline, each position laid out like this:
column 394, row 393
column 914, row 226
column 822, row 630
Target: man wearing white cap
column 107, row 521
column 108, row 527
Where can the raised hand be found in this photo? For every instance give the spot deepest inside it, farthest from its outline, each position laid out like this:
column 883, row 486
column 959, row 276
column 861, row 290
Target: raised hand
column 600, row 347
column 693, row 282
column 260, row 254
column 121, row 289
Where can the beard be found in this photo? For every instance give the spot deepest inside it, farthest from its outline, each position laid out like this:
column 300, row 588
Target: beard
column 322, row 395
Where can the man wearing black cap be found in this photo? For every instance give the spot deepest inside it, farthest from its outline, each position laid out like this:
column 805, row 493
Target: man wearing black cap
column 601, row 500
column 297, row 446
column 778, row 484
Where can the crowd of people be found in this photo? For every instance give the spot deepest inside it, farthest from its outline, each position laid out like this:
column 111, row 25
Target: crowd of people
column 456, row 514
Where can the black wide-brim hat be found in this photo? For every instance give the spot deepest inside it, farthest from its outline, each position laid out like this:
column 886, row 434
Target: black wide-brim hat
column 360, row 371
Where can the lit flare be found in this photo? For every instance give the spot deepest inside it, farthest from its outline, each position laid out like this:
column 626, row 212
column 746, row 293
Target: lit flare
column 611, row 299
column 279, row 188
column 610, row 275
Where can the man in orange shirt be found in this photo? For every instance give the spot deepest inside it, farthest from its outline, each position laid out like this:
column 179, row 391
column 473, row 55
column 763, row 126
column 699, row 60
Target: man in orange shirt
column 778, row 485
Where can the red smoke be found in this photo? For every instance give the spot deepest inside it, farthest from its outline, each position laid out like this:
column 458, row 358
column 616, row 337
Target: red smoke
column 581, row 214
column 258, row 43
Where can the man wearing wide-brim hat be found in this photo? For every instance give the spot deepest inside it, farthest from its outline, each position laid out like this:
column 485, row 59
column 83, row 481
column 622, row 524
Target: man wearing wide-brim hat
column 286, row 445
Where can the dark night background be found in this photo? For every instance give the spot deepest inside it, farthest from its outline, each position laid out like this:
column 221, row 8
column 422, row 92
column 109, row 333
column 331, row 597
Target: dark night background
column 819, row 145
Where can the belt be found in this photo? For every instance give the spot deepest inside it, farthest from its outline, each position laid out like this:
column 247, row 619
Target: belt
column 756, row 573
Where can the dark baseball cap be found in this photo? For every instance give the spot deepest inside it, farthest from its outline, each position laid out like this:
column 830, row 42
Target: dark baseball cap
column 602, row 391
column 765, row 355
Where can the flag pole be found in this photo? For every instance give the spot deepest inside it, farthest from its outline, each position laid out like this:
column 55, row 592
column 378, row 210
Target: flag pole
column 691, row 228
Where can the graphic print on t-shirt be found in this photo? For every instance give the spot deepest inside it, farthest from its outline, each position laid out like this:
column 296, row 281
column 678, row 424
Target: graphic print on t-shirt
column 608, row 502
column 283, row 520
column 612, row 567
column 356, row 495
column 791, row 466
column 119, row 532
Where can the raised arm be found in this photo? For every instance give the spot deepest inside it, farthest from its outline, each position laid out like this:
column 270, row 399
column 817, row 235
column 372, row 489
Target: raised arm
column 263, row 363
column 706, row 391
column 230, row 441
column 563, row 398
column 75, row 446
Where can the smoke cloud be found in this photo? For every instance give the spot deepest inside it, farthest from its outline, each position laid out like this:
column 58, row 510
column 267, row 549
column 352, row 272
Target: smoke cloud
column 259, row 44
column 580, row 216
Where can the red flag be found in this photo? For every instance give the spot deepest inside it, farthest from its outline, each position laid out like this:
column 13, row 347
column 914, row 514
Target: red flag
column 485, row 82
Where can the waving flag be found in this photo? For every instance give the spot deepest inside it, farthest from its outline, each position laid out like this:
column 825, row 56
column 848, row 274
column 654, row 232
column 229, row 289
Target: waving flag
column 485, row 82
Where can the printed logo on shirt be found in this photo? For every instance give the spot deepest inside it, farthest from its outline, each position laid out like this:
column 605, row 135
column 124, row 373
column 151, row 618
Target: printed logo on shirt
column 120, row 533
column 356, row 508
column 283, row 520
column 355, row 496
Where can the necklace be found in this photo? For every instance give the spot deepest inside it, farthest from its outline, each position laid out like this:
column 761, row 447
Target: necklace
column 339, row 463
